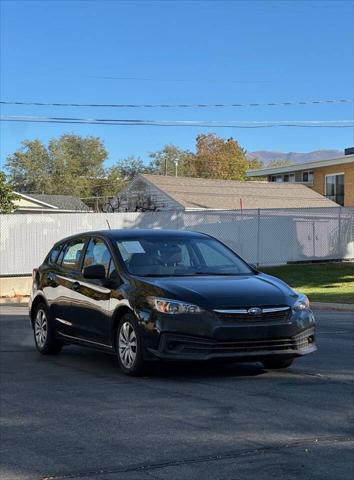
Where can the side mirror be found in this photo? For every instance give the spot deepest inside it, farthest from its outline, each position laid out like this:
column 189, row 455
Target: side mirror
column 95, row 272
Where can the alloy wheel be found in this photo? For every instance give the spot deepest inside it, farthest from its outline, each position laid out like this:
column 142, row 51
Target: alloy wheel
column 41, row 328
column 127, row 345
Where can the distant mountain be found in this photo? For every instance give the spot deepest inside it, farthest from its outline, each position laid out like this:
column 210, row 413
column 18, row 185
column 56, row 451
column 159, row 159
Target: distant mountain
column 269, row 156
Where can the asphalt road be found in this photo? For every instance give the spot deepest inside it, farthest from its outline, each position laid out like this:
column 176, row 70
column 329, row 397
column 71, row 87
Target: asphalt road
column 76, row 416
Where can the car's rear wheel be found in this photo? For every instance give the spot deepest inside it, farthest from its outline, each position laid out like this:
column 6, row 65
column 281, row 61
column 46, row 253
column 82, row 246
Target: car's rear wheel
column 277, row 363
column 44, row 332
column 129, row 346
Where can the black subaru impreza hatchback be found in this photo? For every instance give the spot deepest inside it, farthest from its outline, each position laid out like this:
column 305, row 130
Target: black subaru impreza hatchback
column 160, row 294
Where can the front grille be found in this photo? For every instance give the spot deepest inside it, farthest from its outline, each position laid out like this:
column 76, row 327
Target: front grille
column 179, row 344
column 266, row 316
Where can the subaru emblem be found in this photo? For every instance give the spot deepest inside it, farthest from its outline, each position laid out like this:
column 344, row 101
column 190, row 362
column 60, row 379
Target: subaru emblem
column 255, row 311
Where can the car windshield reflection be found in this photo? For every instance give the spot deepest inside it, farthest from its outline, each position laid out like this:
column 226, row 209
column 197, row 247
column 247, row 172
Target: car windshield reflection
column 174, row 257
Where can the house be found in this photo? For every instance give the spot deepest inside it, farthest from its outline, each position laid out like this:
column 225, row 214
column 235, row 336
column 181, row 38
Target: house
column 333, row 178
column 159, row 193
column 40, row 203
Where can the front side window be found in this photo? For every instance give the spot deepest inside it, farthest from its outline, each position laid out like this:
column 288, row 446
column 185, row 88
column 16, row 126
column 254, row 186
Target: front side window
column 180, row 257
column 97, row 253
column 334, row 188
column 72, row 255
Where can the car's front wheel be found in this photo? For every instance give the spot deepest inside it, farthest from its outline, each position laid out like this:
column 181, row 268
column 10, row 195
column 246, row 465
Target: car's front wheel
column 277, row 363
column 44, row 332
column 129, row 346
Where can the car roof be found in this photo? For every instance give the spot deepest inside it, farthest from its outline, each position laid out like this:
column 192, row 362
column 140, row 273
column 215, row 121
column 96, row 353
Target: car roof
column 136, row 234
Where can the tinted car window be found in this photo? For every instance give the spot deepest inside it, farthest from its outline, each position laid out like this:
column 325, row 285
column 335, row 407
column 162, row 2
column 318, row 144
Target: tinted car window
column 213, row 257
column 61, row 255
column 97, row 253
column 72, row 255
column 53, row 254
column 180, row 256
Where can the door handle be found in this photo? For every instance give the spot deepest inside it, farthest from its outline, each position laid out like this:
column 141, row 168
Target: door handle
column 75, row 286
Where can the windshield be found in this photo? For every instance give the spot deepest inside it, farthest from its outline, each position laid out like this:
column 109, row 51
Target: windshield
column 180, row 257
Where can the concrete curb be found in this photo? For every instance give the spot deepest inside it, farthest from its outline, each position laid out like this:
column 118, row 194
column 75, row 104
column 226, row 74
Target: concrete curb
column 14, row 300
column 339, row 307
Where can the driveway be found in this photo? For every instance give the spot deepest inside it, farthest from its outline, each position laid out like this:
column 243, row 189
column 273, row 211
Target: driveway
column 76, row 416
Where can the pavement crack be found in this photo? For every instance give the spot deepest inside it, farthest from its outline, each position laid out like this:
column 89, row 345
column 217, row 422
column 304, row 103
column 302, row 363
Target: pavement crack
column 200, row 459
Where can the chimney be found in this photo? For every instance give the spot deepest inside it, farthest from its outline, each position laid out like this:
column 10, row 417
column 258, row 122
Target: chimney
column 349, row 151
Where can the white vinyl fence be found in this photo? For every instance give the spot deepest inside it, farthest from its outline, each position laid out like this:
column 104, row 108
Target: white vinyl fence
column 263, row 237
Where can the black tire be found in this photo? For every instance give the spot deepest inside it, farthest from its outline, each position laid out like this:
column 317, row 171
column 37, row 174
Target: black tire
column 129, row 346
column 277, row 363
column 44, row 332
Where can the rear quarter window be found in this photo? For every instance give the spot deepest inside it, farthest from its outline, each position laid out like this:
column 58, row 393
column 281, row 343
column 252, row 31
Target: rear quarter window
column 72, row 255
column 53, row 254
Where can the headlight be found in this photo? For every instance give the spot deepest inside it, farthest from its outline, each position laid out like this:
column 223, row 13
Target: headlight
column 302, row 303
column 172, row 307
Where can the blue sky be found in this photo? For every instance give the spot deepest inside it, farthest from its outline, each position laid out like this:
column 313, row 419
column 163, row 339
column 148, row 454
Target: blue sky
column 178, row 52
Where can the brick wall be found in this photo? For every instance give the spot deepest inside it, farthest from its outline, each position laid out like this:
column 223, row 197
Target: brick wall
column 348, row 170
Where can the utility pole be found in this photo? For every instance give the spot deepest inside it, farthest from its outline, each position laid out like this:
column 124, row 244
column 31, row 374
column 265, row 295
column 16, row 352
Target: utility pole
column 176, row 167
column 165, row 168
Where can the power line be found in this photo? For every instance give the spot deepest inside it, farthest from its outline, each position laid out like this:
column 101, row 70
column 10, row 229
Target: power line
column 184, row 123
column 181, row 105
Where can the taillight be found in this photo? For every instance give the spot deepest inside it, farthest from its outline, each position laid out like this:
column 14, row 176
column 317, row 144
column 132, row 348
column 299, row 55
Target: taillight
column 34, row 273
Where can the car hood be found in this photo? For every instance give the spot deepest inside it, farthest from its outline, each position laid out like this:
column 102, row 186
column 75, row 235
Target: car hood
column 212, row 292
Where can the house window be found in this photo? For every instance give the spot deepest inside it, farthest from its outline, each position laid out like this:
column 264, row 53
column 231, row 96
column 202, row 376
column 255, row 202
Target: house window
column 307, row 176
column 286, row 178
column 334, row 187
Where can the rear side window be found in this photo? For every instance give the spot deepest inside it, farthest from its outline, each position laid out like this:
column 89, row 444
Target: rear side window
column 53, row 254
column 61, row 255
column 72, row 255
column 97, row 253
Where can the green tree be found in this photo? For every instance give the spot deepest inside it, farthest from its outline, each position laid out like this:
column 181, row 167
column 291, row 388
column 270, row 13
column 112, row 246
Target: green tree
column 129, row 167
column 69, row 165
column 30, row 168
column 163, row 162
column 76, row 164
column 7, row 196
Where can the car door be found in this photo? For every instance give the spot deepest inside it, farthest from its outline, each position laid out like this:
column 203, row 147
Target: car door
column 92, row 299
column 65, row 277
column 49, row 273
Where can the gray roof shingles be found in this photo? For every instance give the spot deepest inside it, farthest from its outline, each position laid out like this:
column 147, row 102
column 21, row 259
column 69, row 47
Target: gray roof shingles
column 63, row 202
column 225, row 194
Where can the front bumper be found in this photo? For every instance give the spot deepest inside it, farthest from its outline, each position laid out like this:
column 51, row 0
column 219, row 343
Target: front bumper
column 183, row 347
column 204, row 337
